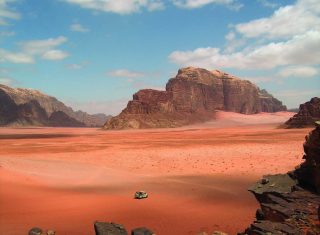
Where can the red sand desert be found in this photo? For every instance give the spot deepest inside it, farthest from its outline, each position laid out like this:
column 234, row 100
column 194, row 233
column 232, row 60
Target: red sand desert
column 197, row 176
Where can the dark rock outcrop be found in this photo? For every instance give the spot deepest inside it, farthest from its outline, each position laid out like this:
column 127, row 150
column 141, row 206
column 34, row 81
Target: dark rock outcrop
column 103, row 228
column 35, row 231
column 59, row 118
column 142, row 231
column 309, row 112
column 308, row 173
column 193, row 96
column 19, row 107
column 290, row 203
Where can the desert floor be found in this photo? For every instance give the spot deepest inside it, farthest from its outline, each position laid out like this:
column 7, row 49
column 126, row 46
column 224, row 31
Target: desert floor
column 67, row 178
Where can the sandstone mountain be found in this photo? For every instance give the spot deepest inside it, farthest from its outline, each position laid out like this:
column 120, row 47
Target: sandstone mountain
column 193, row 96
column 19, row 107
column 308, row 113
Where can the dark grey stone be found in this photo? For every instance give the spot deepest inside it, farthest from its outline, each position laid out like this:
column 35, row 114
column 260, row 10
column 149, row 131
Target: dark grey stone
column 141, row 231
column 103, row 228
column 35, row 231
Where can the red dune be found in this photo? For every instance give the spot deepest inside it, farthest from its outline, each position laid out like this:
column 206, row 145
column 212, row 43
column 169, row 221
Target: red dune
column 66, row 178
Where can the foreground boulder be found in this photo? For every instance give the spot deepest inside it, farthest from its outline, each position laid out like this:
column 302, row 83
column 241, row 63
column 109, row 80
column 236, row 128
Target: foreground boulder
column 39, row 231
column 290, row 203
column 193, row 96
column 142, row 231
column 103, row 228
column 308, row 113
column 35, row 231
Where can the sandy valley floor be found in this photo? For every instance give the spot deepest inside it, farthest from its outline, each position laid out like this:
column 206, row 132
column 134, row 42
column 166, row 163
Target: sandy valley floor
column 197, row 176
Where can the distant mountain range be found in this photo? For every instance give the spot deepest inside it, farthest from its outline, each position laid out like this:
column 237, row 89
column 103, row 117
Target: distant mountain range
column 193, row 96
column 28, row 107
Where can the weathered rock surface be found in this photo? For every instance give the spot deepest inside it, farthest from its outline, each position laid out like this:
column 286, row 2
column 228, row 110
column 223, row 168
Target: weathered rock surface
column 308, row 173
column 35, row 231
column 308, row 113
column 142, row 231
column 19, row 107
column 290, row 203
column 193, row 96
column 103, row 228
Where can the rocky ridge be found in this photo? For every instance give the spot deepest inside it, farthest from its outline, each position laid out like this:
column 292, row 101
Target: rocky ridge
column 290, row 203
column 308, row 113
column 193, row 96
column 19, row 107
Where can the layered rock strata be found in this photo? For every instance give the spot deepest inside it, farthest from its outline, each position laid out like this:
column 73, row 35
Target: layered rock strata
column 193, row 96
column 21, row 107
column 290, row 203
column 308, row 113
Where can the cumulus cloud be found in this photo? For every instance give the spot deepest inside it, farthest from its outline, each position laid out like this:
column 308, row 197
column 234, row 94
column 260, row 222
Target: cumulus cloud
column 125, row 73
column 298, row 71
column 301, row 49
column 285, row 22
column 30, row 50
column 6, row 13
column 289, row 37
column 119, row 7
column 78, row 28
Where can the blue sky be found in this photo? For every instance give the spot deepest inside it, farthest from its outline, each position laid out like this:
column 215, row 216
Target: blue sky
column 94, row 54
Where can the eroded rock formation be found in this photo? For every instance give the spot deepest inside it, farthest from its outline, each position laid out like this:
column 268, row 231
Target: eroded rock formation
column 290, row 203
column 193, row 96
column 308, row 113
column 19, row 107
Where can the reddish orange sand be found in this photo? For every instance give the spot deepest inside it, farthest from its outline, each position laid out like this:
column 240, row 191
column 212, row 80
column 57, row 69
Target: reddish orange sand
column 197, row 176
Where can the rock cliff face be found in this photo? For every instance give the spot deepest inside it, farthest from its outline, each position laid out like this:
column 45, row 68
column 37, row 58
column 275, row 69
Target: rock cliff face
column 308, row 113
column 193, row 96
column 290, row 203
column 20, row 107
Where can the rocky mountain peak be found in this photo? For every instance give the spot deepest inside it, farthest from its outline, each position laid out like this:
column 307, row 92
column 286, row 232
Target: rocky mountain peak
column 20, row 106
column 193, row 96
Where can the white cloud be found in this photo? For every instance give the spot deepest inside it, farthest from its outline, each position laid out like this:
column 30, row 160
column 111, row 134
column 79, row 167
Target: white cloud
column 6, row 81
column 54, row 55
column 124, row 73
column 289, row 37
column 119, row 7
column 301, row 49
column 198, row 3
column 39, row 47
column 267, row 3
column 285, row 22
column 17, row 58
column 298, row 71
column 30, row 50
column 191, row 4
column 78, row 28
column 6, row 13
